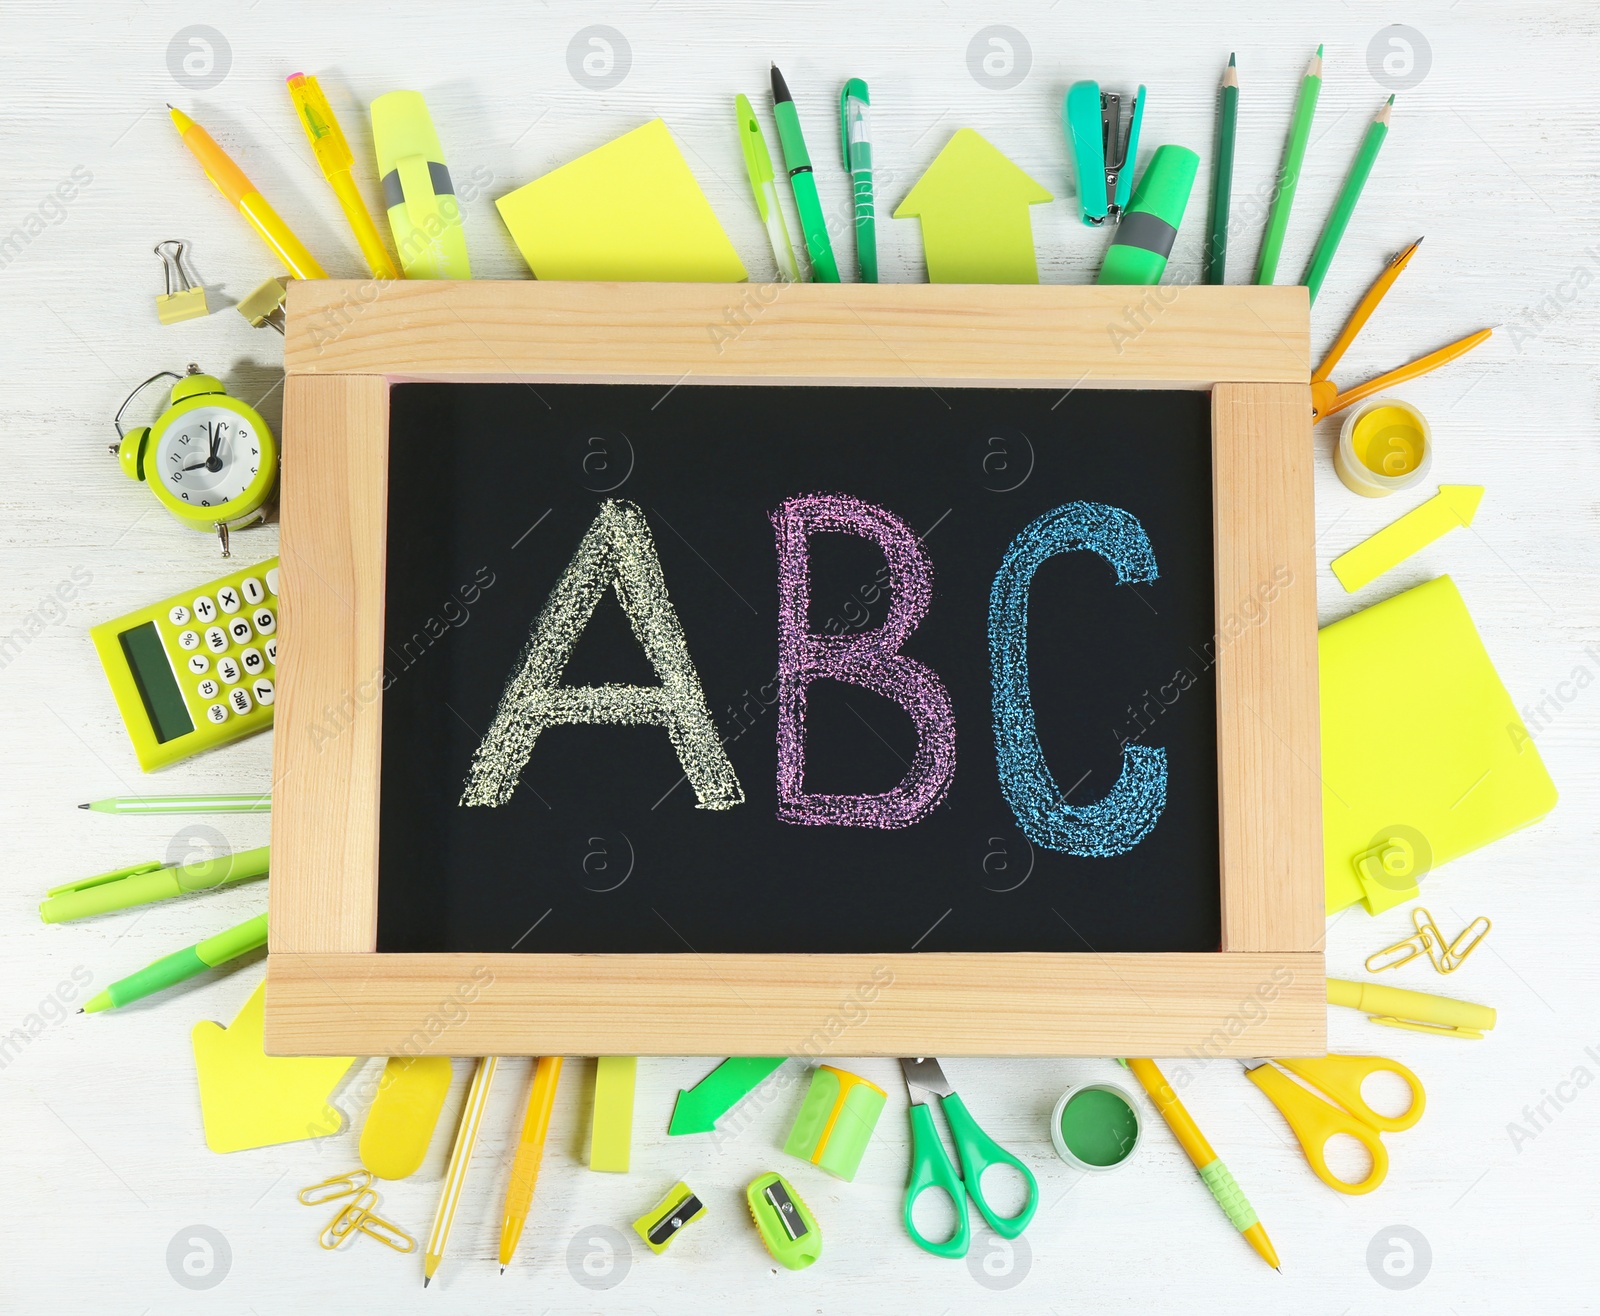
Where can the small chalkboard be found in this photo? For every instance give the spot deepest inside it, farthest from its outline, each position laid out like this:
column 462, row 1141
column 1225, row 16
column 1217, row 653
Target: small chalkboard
column 951, row 659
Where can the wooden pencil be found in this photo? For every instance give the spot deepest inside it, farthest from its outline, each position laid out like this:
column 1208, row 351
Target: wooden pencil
column 455, row 1177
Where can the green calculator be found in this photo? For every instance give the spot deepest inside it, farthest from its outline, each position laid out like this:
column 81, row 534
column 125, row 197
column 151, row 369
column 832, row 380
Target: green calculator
column 195, row 671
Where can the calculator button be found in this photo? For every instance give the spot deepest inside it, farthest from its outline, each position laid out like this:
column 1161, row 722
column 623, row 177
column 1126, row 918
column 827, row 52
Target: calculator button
column 239, row 628
column 271, row 646
column 177, row 614
column 217, row 639
column 217, row 714
column 188, row 640
column 252, row 662
column 228, row 670
column 198, row 663
column 250, row 587
column 239, row 697
column 207, row 689
column 265, row 692
column 272, row 580
column 204, row 608
column 228, row 599
column 265, row 622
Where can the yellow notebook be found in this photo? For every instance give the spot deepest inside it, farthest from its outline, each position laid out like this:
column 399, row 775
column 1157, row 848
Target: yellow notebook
column 1424, row 756
column 628, row 210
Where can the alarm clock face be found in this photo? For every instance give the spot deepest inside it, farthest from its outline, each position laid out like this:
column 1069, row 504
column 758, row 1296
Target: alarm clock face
column 208, row 457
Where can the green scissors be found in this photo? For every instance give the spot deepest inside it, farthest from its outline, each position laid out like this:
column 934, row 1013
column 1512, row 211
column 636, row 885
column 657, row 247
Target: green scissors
column 931, row 1167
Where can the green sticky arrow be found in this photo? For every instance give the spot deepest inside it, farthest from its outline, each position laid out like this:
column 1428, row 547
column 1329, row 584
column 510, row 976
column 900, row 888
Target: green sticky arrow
column 700, row 1107
column 973, row 203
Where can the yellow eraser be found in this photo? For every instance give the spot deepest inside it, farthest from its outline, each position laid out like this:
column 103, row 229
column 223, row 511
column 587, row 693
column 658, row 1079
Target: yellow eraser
column 611, row 1133
column 400, row 1124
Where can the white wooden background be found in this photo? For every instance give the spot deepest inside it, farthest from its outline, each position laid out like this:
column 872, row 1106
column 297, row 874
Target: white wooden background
column 1493, row 155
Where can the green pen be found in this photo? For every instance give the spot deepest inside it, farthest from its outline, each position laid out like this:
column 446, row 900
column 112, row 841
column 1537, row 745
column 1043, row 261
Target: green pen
column 181, row 965
column 853, row 128
column 758, row 164
column 143, row 883
column 813, row 224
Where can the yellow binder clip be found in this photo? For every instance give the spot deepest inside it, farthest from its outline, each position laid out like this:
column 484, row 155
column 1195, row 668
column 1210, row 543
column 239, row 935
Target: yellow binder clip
column 1445, row 956
column 184, row 298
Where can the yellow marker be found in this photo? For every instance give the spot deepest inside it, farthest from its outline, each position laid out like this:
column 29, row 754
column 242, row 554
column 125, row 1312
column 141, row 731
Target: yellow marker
column 230, row 180
column 1420, row 1012
column 455, row 1177
column 336, row 160
column 1454, row 505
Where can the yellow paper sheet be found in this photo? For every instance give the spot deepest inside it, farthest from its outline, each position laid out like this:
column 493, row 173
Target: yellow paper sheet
column 250, row 1099
column 629, row 210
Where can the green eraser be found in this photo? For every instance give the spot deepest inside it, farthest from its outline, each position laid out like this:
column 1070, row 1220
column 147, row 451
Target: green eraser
column 836, row 1121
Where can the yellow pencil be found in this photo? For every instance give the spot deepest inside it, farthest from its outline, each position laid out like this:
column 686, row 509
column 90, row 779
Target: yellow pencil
column 455, row 1177
column 335, row 159
column 230, row 180
column 530, row 1150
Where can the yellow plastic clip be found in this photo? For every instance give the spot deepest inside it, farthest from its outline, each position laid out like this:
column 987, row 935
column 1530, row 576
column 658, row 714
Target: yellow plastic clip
column 386, row 1232
column 340, row 1185
column 349, row 1219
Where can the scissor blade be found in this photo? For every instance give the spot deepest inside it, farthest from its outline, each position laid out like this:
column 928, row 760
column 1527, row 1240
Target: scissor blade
column 924, row 1078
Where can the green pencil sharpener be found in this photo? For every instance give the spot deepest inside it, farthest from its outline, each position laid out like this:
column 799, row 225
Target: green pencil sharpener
column 836, row 1122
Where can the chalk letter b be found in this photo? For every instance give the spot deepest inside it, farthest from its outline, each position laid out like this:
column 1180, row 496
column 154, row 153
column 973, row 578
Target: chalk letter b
column 871, row 660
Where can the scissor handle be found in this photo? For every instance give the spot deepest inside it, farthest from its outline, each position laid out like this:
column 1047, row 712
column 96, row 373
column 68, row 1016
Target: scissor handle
column 931, row 1168
column 1341, row 1077
column 978, row 1151
column 1314, row 1122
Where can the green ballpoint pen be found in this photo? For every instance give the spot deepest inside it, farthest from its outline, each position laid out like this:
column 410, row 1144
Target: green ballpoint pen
column 758, row 164
column 813, row 224
column 144, row 883
column 180, row 965
column 854, row 129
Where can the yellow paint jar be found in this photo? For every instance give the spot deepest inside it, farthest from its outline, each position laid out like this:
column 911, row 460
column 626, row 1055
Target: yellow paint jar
column 1384, row 445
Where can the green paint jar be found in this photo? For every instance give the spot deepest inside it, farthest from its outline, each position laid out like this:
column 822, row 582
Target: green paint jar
column 1095, row 1126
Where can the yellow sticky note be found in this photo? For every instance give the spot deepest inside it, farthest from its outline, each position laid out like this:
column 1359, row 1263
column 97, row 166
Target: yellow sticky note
column 1424, row 756
column 250, row 1099
column 629, row 210
column 1454, row 505
column 611, row 1133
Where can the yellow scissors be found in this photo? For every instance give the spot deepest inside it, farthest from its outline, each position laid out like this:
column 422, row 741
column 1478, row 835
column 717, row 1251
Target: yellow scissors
column 1315, row 1121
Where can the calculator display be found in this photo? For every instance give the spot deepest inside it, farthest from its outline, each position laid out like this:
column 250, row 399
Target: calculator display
column 157, row 683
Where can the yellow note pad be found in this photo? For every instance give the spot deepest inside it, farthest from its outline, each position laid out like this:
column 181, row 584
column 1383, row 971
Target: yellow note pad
column 250, row 1099
column 630, row 210
column 1424, row 756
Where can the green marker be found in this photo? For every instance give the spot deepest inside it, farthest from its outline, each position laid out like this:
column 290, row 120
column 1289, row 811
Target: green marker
column 813, row 224
column 143, row 883
column 181, row 965
column 1294, row 154
column 855, row 132
column 1345, row 206
column 1149, row 226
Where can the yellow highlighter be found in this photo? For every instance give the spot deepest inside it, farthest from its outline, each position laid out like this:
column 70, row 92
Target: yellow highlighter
column 230, row 180
column 423, row 214
column 335, row 159
column 1420, row 1012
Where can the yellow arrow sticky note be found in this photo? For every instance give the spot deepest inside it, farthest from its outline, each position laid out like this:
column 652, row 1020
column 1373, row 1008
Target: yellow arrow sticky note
column 1454, row 505
column 250, row 1099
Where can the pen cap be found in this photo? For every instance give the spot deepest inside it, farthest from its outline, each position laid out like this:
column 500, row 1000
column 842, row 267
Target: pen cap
column 1138, row 253
column 836, row 1121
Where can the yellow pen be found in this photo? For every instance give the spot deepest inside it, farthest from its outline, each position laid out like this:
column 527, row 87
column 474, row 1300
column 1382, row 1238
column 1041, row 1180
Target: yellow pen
column 335, row 159
column 230, row 180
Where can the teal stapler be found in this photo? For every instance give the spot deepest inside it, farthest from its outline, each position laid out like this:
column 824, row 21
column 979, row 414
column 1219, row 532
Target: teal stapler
column 1102, row 156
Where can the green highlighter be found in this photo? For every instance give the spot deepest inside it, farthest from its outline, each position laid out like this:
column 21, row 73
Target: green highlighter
column 1149, row 226
column 144, row 883
column 797, row 160
column 181, row 965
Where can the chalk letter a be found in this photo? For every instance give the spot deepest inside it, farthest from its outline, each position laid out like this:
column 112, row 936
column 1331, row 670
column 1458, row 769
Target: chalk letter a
column 616, row 551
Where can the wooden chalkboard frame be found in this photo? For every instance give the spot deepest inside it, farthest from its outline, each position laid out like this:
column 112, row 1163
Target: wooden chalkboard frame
column 330, row 992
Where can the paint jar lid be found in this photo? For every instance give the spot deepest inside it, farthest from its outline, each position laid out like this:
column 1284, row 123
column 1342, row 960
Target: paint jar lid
column 1384, row 445
column 1096, row 1126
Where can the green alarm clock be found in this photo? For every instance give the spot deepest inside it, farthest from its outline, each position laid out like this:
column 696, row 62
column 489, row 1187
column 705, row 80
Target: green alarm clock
column 209, row 458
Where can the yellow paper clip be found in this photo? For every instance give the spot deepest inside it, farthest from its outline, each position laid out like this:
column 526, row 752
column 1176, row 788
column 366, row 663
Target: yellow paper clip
column 184, row 299
column 386, row 1232
column 1470, row 938
column 340, row 1185
column 1446, row 957
column 349, row 1219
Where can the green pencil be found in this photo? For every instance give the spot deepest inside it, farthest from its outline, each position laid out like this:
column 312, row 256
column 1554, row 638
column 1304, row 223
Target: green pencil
column 140, row 804
column 1222, row 173
column 1349, row 194
column 181, row 965
column 1294, row 154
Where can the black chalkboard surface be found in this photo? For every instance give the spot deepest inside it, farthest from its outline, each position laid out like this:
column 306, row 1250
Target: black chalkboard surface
column 599, row 845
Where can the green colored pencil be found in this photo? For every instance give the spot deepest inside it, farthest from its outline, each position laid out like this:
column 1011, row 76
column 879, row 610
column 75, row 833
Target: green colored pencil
column 181, row 965
column 1349, row 194
column 1294, row 154
column 140, row 804
column 1222, row 173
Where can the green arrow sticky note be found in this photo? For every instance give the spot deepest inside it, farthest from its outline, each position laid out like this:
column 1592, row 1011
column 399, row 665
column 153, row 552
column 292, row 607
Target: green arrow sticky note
column 699, row 1108
column 1454, row 505
column 973, row 204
